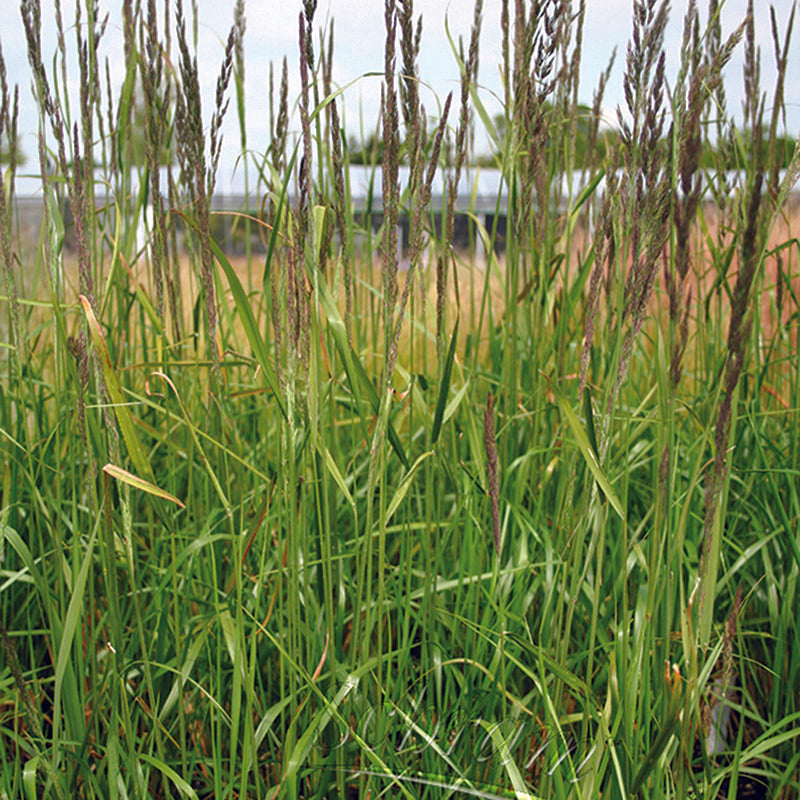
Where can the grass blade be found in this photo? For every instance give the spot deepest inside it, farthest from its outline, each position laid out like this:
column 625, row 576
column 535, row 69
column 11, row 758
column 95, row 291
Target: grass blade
column 444, row 387
column 585, row 447
column 120, row 405
column 137, row 483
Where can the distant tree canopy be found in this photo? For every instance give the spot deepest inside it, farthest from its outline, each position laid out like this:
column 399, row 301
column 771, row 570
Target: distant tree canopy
column 590, row 143
column 166, row 153
column 369, row 151
column 17, row 157
column 365, row 152
column 729, row 154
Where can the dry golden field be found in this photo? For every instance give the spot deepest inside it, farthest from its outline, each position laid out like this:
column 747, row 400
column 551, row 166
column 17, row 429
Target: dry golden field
column 779, row 288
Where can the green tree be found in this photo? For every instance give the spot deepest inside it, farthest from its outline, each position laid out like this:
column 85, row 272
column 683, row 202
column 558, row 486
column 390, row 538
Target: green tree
column 591, row 145
column 737, row 151
column 365, row 152
column 138, row 134
column 15, row 156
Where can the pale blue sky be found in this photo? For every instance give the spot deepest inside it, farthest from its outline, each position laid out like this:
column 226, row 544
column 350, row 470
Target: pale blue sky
column 359, row 37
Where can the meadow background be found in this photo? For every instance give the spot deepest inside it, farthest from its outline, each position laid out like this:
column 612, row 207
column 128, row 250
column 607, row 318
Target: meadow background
column 325, row 514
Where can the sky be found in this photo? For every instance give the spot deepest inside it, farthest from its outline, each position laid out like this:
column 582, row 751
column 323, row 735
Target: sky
column 272, row 34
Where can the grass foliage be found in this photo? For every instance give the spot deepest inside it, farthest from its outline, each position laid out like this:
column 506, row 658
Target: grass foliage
column 337, row 524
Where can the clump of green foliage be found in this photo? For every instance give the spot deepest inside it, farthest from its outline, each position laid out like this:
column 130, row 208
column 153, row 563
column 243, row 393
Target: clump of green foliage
column 345, row 521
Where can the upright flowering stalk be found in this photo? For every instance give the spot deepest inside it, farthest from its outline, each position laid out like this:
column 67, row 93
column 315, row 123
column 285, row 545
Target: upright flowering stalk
column 492, row 471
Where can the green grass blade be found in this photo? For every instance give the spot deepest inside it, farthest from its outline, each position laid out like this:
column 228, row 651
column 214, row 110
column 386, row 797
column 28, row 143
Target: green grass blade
column 521, row 791
column 120, row 405
column 180, row 784
column 585, row 447
column 356, row 375
column 250, row 325
column 137, row 483
column 444, row 387
column 64, row 675
column 404, row 486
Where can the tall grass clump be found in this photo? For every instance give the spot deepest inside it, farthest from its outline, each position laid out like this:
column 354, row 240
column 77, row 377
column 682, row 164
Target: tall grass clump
column 363, row 512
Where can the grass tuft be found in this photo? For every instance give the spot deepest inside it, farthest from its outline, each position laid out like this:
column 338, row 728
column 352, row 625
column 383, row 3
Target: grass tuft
column 367, row 512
